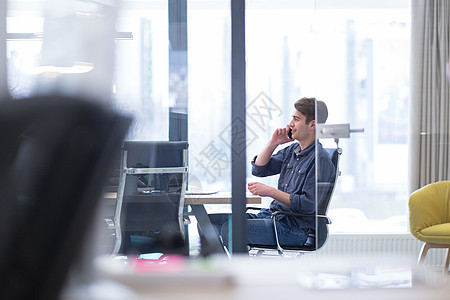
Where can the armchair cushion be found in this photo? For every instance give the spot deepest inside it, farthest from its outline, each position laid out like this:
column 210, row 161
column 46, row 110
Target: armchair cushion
column 437, row 234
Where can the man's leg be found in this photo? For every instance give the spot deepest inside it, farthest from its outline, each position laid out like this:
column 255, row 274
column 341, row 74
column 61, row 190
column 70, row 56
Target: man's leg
column 261, row 232
column 217, row 220
column 290, row 236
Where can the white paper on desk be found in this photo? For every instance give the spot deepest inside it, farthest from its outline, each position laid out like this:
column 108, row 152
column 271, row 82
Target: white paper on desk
column 202, row 193
column 198, row 190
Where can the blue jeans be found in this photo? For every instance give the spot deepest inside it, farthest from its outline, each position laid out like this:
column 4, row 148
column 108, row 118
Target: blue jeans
column 260, row 230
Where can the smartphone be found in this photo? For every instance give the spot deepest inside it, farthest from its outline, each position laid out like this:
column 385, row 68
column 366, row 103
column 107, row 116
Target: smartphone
column 290, row 133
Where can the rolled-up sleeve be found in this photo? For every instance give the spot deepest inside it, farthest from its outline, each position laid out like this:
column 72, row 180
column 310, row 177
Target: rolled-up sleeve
column 273, row 167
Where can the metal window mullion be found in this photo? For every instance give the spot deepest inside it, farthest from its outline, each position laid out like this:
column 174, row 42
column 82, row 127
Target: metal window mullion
column 238, row 125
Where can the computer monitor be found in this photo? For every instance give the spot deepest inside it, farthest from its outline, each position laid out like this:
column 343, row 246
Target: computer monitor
column 178, row 126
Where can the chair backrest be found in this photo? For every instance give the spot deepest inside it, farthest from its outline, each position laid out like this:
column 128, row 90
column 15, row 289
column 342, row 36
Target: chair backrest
column 334, row 154
column 153, row 197
column 317, row 240
column 54, row 154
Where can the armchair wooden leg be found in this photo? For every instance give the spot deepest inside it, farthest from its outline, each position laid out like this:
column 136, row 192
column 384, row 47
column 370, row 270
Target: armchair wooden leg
column 428, row 246
column 447, row 261
column 423, row 252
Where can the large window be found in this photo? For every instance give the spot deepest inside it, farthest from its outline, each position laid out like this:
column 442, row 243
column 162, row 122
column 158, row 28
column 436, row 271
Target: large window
column 209, row 48
column 365, row 80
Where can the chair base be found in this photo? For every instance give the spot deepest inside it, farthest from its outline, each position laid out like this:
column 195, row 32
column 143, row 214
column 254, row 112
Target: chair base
column 428, row 246
column 274, row 252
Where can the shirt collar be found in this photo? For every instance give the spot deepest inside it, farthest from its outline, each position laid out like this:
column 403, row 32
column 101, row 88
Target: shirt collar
column 305, row 151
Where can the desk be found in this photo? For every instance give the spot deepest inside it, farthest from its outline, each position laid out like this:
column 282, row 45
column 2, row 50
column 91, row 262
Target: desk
column 197, row 202
column 216, row 198
column 200, row 199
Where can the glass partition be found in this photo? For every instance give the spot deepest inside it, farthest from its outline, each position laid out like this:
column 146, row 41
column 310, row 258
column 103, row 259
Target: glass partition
column 353, row 56
column 343, row 54
column 168, row 64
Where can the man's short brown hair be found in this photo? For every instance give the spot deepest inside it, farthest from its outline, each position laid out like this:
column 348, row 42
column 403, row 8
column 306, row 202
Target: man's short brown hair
column 307, row 106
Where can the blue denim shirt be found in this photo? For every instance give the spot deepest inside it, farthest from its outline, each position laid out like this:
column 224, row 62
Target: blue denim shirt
column 297, row 178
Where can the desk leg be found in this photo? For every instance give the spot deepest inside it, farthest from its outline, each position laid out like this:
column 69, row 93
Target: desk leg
column 213, row 243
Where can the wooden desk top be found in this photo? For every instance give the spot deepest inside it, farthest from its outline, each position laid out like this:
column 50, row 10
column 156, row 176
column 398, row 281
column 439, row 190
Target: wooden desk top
column 217, row 198
column 200, row 199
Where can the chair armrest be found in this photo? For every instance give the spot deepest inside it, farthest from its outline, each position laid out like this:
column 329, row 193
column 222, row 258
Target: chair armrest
column 327, row 219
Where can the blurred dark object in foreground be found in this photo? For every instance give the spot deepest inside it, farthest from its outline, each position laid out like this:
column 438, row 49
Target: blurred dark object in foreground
column 54, row 154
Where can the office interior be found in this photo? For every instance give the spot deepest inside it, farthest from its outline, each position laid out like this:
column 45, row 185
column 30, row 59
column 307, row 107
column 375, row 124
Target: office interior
column 222, row 76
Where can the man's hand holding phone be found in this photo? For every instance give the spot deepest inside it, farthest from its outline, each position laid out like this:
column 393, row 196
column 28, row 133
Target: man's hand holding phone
column 280, row 136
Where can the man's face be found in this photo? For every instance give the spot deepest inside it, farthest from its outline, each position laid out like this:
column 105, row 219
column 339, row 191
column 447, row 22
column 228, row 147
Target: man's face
column 300, row 130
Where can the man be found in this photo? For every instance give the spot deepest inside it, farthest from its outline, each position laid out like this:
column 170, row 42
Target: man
column 297, row 182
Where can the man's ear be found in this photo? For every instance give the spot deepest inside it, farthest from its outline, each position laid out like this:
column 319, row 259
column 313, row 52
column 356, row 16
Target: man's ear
column 312, row 124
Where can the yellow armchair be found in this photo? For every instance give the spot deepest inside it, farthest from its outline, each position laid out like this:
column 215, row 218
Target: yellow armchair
column 429, row 218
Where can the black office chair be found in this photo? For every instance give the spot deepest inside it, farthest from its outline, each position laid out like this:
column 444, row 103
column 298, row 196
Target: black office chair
column 149, row 214
column 54, row 152
column 315, row 239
